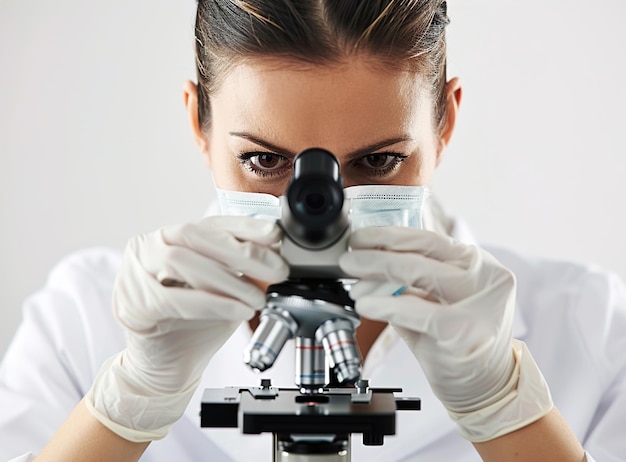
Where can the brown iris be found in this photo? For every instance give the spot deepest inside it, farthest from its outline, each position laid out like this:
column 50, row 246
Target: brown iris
column 377, row 160
column 267, row 160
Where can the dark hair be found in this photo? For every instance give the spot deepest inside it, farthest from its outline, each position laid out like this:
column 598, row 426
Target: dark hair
column 405, row 34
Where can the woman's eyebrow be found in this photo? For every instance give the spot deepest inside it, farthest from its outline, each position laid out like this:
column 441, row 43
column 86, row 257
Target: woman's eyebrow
column 266, row 144
column 369, row 149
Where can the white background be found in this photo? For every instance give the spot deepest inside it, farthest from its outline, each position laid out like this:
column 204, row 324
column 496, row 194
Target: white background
column 95, row 147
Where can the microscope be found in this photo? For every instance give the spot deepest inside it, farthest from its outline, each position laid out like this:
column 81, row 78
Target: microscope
column 315, row 420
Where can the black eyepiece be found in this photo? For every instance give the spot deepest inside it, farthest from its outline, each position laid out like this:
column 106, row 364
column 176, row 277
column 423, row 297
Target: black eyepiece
column 315, row 199
column 315, row 203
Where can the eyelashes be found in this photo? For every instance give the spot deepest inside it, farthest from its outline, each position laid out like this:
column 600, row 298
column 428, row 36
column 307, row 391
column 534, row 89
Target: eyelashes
column 268, row 164
column 381, row 163
column 264, row 164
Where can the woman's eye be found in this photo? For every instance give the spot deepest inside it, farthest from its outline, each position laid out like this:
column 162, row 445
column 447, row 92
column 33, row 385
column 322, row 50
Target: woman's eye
column 380, row 164
column 264, row 163
column 378, row 161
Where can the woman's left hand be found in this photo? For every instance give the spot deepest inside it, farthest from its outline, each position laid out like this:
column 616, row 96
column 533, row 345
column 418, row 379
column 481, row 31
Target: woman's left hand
column 456, row 316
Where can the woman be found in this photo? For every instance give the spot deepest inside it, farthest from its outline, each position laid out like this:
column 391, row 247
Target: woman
column 367, row 81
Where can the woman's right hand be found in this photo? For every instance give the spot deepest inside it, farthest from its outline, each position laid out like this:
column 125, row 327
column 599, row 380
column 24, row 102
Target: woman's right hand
column 180, row 294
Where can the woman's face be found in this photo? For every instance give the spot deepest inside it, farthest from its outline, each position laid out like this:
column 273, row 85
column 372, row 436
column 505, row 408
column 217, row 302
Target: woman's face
column 379, row 124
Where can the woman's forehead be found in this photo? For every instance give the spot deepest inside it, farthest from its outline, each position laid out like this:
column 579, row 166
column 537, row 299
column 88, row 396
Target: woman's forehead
column 316, row 101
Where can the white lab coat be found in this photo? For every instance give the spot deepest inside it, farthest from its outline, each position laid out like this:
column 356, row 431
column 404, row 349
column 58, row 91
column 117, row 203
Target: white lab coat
column 572, row 317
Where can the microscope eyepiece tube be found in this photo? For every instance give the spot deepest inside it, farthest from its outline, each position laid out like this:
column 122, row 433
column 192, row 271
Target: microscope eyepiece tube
column 314, row 217
column 315, row 223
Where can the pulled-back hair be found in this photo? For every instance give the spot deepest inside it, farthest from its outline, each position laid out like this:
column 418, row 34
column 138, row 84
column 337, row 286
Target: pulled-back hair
column 401, row 34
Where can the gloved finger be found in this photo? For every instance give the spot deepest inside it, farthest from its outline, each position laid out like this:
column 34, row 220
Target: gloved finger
column 404, row 239
column 257, row 260
column 262, row 231
column 254, row 260
column 405, row 311
column 452, row 327
column 444, row 280
column 150, row 308
column 240, row 228
column 183, row 267
column 201, row 273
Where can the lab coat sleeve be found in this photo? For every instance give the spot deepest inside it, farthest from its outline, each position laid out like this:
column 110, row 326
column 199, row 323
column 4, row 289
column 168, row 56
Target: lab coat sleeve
column 53, row 356
column 604, row 330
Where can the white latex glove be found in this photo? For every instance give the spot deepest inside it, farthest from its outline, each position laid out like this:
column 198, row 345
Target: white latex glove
column 456, row 316
column 179, row 295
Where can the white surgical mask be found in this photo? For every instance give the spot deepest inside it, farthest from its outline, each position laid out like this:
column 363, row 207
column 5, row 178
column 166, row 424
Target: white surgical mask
column 386, row 205
column 250, row 204
column 369, row 205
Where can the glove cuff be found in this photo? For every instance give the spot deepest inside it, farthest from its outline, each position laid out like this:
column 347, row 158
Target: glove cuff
column 527, row 399
column 129, row 410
